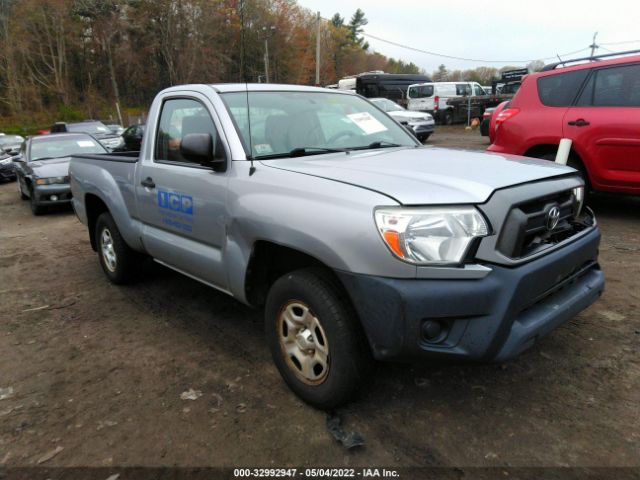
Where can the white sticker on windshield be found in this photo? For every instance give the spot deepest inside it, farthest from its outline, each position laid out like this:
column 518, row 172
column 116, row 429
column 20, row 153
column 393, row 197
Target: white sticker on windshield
column 263, row 148
column 85, row 143
column 367, row 123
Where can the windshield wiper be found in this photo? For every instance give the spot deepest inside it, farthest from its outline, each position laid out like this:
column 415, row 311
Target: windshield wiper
column 301, row 152
column 378, row 144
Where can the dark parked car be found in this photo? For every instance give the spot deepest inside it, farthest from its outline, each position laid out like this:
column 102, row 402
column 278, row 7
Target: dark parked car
column 486, row 121
column 94, row 128
column 43, row 167
column 132, row 138
column 7, row 168
column 11, row 143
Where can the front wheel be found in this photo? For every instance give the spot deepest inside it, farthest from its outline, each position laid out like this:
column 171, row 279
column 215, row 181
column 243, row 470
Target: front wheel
column 117, row 259
column 35, row 208
column 315, row 338
column 22, row 195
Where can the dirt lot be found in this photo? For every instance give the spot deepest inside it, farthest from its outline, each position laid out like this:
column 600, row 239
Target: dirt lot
column 99, row 370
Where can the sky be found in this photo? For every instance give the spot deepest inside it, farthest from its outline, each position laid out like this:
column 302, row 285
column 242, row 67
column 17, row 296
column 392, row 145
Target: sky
column 509, row 32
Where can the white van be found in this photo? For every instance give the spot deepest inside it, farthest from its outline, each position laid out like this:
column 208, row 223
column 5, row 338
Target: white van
column 432, row 97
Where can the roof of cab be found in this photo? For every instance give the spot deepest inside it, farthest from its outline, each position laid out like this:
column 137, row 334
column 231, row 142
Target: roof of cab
column 254, row 87
column 266, row 87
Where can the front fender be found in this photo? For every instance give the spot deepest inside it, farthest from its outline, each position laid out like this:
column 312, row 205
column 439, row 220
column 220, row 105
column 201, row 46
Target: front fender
column 330, row 221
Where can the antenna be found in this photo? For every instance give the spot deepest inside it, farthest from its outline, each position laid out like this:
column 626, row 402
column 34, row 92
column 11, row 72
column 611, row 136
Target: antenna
column 252, row 169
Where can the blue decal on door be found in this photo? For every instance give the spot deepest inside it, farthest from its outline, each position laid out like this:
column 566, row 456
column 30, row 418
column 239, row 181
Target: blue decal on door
column 176, row 202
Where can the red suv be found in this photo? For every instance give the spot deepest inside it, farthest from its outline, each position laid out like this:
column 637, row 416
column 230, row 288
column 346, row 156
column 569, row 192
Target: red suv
column 595, row 104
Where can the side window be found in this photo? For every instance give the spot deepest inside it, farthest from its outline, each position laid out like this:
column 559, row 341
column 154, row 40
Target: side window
column 180, row 117
column 463, row 89
column 617, row 87
column 559, row 90
column 479, row 90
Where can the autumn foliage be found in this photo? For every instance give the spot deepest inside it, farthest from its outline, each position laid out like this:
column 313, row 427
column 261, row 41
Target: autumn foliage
column 76, row 58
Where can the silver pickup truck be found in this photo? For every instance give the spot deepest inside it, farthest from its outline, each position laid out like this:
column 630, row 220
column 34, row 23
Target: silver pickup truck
column 359, row 243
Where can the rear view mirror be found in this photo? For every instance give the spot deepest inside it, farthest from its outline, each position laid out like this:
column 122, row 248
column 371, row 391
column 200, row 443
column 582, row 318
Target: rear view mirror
column 198, row 147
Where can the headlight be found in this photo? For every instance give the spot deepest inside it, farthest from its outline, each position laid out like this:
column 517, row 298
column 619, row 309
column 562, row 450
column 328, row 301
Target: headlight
column 578, row 193
column 52, row 180
column 423, row 236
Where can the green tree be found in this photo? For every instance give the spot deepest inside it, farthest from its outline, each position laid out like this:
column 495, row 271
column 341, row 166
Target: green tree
column 441, row 75
column 337, row 21
column 358, row 20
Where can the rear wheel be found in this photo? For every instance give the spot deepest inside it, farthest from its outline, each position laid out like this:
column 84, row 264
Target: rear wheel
column 447, row 118
column 117, row 259
column 573, row 163
column 315, row 338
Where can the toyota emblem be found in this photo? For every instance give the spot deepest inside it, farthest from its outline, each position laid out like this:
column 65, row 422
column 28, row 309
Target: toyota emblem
column 553, row 216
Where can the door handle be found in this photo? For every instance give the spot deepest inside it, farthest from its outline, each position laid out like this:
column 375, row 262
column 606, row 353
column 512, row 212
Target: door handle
column 148, row 182
column 581, row 122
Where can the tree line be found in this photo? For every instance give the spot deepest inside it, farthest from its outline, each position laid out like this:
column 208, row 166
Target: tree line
column 73, row 59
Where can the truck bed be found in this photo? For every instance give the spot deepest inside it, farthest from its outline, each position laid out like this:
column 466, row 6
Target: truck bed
column 125, row 157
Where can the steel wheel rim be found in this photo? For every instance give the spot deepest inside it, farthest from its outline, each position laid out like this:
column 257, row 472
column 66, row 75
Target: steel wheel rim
column 303, row 343
column 108, row 251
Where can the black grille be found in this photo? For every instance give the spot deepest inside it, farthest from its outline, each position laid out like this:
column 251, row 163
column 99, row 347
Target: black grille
column 526, row 229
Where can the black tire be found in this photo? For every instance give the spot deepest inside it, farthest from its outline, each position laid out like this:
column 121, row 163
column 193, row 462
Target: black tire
column 348, row 359
column 125, row 260
column 573, row 163
column 447, row 118
column 22, row 195
column 35, row 208
column 424, row 138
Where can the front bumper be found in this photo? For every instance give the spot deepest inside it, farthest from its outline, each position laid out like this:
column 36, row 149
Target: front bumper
column 8, row 171
column 490, row 319
column 44, row 194
column 422, row 128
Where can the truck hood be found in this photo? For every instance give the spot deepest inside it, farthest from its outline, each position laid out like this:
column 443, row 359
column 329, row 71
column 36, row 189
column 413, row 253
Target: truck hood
column 56, row 167
column 425, row 175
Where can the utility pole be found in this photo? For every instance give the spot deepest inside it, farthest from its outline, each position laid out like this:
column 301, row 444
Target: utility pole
column 268, row 31
column 593, row 44
column 266, row 60
column 318, row 50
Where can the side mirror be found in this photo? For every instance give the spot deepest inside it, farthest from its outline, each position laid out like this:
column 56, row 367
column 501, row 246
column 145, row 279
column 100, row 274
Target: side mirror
column 198, row 147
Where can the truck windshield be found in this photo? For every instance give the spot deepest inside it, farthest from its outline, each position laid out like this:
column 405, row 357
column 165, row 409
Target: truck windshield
column 54, row 146
column 282, row 122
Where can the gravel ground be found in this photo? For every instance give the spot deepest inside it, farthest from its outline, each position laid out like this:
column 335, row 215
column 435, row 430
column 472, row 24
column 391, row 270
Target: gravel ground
column 92, row 374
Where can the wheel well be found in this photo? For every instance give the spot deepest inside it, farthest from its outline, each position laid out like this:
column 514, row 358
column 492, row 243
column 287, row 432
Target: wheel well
column 268, row 262
column 94, row 207
column 539, row 151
